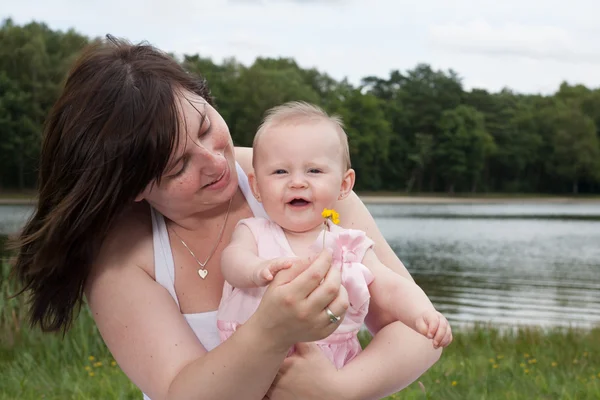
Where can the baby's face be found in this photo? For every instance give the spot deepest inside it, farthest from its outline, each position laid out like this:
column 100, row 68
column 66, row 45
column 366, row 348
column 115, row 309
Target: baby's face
column 298, row 173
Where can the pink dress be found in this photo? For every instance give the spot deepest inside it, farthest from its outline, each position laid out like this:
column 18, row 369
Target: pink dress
column 348, row 246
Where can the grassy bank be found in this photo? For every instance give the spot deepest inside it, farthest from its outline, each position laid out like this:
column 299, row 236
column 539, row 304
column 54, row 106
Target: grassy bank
column 482, row 363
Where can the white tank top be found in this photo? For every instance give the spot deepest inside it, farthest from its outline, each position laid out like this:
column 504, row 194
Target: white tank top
column 203, row 324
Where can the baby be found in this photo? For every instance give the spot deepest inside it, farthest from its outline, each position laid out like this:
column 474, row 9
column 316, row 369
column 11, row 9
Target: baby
column 301, row 169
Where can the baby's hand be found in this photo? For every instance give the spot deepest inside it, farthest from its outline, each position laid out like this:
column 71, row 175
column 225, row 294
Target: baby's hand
column 435, row 326
column 270, row 268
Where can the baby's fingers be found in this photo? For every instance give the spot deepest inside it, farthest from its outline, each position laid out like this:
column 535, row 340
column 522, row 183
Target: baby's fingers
column 280, row 264
column 433, row 322
column 447, row 337
column 443, row 327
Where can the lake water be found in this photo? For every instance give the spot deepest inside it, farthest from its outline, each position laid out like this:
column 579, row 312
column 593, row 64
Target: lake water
column 505, row 264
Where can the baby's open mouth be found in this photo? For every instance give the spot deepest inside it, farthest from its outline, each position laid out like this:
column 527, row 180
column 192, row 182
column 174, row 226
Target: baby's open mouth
column 298, row 202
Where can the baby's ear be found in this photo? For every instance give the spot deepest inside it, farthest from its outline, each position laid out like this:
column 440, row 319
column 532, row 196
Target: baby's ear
column 347, row 184
column 253, row 185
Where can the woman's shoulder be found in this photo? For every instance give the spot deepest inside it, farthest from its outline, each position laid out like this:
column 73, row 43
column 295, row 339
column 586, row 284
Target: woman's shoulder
column 129, row 241
column 243, row 156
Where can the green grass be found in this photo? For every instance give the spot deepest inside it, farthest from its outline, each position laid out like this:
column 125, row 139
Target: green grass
column 481, row 363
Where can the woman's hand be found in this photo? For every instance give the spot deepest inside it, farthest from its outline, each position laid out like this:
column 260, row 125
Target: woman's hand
column 294, row 307
column 307, row 374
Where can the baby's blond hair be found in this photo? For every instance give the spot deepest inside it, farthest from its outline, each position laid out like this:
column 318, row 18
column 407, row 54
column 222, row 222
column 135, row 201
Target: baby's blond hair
column 299, row 111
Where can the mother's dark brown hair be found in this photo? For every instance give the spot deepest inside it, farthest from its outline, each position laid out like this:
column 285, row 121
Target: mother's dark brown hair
column 110, row 134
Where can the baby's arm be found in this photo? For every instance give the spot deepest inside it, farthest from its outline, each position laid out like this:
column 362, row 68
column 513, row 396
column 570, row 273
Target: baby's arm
column 242, row 267
column 407, row 302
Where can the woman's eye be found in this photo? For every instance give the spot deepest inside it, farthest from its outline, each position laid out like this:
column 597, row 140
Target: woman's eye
column 205, row 128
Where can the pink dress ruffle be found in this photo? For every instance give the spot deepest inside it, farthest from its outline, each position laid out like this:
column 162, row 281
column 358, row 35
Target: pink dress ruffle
column 348, row 247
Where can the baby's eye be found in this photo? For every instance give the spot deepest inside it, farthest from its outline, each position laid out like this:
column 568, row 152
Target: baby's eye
column 279, row 171
column 315, row 171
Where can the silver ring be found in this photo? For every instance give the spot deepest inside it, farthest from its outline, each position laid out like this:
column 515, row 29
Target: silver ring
column 334, row 319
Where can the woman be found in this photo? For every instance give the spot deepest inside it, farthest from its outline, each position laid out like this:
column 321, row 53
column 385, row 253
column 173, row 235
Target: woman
column 140, row 190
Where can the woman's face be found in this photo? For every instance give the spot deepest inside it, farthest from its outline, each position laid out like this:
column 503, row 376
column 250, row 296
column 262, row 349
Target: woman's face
column 201, row 173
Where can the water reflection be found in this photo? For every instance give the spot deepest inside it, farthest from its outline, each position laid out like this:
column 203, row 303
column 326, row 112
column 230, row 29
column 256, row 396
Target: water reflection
column 506, row 268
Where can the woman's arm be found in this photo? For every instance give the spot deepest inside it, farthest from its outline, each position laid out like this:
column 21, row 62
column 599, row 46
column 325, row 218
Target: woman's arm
column 153, row 344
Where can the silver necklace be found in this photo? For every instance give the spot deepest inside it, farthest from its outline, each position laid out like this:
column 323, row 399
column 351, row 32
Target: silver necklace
column 203, row 272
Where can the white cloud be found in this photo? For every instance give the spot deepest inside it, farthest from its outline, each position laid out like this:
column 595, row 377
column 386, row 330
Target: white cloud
column 529, row 41
column 527, row 45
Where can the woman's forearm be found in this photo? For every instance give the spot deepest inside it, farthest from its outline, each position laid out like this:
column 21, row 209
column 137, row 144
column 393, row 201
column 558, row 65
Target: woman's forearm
column 394, row 359
column 242, row 367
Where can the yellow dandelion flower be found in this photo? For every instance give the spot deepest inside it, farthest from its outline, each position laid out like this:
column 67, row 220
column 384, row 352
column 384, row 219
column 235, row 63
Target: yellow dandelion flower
column 598, row 374
column 454, row 383
column 495, row 365
column 526, row 371
column 532, row 361
column 91, row 358
column 88, row 368
column 522, row 365
column 554, row 363
column 113, row 363
column 331, row 214
column 526, row 355
column 500, row 357
column 91, row 374
column 98, row 364
column 492, row 360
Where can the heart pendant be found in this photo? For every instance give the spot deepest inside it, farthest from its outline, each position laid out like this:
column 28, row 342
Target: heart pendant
column 202, row 273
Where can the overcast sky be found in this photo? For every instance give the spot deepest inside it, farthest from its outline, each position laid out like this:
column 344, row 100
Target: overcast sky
column 529, row 46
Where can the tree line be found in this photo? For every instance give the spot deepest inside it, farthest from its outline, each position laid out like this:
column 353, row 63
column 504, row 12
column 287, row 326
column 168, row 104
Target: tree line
column 413, row 131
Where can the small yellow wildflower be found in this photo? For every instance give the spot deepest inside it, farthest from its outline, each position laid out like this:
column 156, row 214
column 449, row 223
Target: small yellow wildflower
column 526, row 371
column 532, row 361
column 88, row 368
column 522, row 365
column 454, row 383
column 91, row 358
column 598, row 374
column 332, row 215
column 98, row 364
column 91, row 374
column 495, row 365
column 554, row 363
column 500, row 357
column 526, row 355
column 113, row 363
column 492, row 360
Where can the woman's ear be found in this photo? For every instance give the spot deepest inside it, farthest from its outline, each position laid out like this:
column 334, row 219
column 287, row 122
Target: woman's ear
column 253, row 185
column 347, row 184
column 142, row 194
